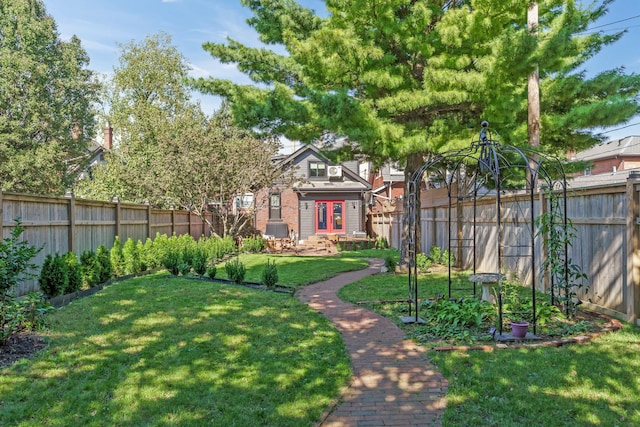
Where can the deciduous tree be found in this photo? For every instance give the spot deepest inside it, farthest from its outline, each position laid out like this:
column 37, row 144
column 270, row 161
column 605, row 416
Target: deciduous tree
column 47, row 101
column 168, row 152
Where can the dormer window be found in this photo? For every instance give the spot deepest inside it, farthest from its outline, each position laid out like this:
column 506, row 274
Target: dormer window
column 317, row 169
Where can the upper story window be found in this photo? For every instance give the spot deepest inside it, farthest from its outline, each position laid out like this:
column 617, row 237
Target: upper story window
column 275, row 206
column 244, row 201
column 317, row 169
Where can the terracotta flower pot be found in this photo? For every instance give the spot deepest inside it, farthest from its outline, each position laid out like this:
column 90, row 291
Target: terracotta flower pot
column 519, row 329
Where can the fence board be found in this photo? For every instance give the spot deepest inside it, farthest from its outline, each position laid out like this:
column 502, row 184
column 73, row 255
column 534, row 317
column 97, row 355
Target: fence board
column 57, row 223
column 601, row 247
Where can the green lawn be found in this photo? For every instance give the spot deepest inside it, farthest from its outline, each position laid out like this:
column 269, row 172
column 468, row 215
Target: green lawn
column 161, row 351
column 595, row 384
column 295, row 271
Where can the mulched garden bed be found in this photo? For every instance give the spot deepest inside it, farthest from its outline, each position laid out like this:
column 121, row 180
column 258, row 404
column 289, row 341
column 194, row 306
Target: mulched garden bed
column 20, row 346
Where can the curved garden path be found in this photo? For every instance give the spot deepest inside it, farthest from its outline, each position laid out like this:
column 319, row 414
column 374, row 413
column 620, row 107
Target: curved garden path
column 393, row 383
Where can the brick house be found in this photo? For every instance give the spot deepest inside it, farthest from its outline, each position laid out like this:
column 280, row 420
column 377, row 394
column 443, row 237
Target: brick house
column 611, row 156
column 387, row 189
column 330, row 199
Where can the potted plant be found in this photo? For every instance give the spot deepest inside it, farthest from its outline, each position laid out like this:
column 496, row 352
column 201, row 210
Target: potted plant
column 518, row 307
column 519, row 328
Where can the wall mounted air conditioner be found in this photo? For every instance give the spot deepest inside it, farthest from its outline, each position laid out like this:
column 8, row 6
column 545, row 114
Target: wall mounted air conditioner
column 335, row 171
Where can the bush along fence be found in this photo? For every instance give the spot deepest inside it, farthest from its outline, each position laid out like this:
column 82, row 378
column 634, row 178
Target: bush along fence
column 65, row 277
column 66, row 224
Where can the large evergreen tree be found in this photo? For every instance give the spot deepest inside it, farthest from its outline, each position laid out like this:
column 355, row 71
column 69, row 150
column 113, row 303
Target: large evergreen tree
column 407, row 78
column 411, row 76
column 47, row 101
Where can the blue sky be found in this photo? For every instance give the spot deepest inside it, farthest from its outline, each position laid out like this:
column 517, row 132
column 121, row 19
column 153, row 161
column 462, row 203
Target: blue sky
column 102, row 25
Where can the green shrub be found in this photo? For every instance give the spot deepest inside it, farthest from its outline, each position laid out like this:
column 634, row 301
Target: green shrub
column 15, row 263
column 235, row 270
column 390, row 263
column 448, row 258
column 54, row 276
column 270, row 275
column 131, row 257
column 22, row 315
column 453, row 320
column 142, row 257
column 435, row 253
column 158, row 249
column 91, row 269
column 30, row 311
column 184, row 268
column 253, row 244
column 382, row 243
column 74, row 272
column 218, row 248
column 186, row 246
column 151, row 257
column 172, row 261
column 199, row 262
column 15, row 260
column 423, row 262
column 117, row 258
column 104, row 261
column 211, row 272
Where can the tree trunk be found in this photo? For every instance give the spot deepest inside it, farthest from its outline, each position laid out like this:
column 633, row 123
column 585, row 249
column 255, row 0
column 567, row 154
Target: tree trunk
column 414, row 162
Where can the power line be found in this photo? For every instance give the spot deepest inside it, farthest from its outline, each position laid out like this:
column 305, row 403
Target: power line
column 623, row 127
column 609, row 30
column 614, row 22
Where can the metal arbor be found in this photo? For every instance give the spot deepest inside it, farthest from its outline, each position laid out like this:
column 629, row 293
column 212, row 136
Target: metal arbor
column 488, row 170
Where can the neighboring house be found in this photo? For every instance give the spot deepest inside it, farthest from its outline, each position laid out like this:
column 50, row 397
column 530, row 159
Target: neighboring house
column 387, row 189
column 329, row 199
column 95, row 154
column 611, row 156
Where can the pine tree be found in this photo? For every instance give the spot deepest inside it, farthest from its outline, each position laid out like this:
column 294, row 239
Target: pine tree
column 404, row 79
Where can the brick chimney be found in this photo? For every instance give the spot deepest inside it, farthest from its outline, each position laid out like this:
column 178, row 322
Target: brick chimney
column 108, row 137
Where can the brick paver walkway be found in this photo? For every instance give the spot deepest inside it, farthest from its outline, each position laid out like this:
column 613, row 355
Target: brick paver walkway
column 393, row 384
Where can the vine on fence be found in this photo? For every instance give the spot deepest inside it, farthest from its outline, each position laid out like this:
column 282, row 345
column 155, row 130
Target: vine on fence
column 567, row 278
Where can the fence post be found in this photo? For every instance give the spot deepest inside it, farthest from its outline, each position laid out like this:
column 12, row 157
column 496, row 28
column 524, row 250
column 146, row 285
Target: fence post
column 148, row 219
column 434, row 226
column 173, row 219
column 633, row 248
column 116, row 200
column 72, row 221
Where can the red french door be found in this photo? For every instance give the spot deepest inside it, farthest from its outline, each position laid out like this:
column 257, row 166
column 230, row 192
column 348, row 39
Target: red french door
column 330, row 216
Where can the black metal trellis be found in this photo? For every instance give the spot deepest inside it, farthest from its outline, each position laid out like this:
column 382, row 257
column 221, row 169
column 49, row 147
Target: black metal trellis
column 488, row 165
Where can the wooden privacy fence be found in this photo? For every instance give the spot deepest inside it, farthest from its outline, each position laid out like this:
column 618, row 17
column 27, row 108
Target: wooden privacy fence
column 606, row 246
column 64, row 224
